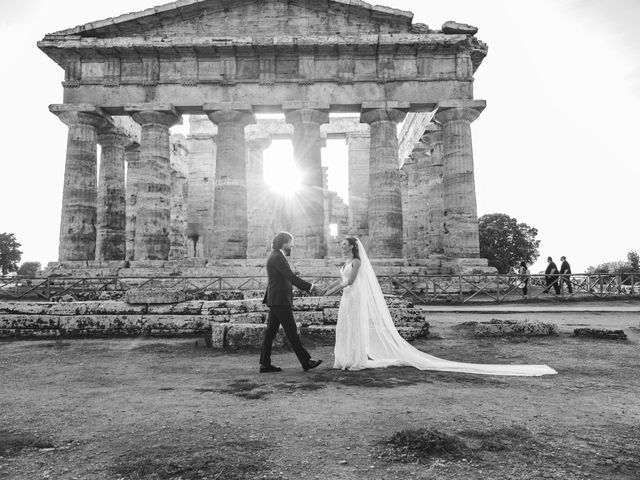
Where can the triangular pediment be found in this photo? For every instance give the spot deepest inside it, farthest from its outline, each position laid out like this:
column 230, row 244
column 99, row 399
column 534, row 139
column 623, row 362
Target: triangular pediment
column 246, row 18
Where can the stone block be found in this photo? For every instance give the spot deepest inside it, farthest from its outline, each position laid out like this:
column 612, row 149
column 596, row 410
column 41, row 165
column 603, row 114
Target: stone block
column 600, row 333
column 174, row 324
column 309, row 317
column 218, row 333
column 29, row 332
column 147, row 297
column 330, row 316
column 71, row 308
column 29, row 321
column 321, row 334
column 453, row 28
column 33, row 308
column 412, row 333
column 192, row 307
column 248, row 317
column 514, row 328
column 100, row 325
column 244, row 335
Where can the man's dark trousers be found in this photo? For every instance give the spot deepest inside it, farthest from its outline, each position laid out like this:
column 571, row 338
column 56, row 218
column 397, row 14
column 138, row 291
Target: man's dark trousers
column 282, row 315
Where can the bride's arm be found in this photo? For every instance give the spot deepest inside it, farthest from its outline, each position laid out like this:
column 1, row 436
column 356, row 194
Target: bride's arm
column 339, row 285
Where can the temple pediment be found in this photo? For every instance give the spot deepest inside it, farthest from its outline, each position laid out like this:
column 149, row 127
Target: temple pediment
column 242, row 18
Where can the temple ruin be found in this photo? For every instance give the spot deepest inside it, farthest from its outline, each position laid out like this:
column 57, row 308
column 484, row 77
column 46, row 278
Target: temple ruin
column 160, row 198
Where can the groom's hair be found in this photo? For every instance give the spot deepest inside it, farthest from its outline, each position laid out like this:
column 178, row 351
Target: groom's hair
column 280, row 239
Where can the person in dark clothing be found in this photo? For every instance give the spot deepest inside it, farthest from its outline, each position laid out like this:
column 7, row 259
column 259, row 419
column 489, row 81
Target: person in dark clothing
column 551, row 276
column 523, row 277
column 565, row 274
column 279, row 299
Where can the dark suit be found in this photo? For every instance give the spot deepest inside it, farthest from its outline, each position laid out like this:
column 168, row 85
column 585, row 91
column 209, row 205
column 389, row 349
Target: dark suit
column 565, row 270
column 551, row 276
column 279, row 299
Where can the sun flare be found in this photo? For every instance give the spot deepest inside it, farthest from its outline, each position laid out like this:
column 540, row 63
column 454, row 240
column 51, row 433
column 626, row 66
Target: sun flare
column 280, row 172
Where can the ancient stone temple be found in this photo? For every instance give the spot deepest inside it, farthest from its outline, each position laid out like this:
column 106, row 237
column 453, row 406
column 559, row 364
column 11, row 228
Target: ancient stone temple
column 129, row 79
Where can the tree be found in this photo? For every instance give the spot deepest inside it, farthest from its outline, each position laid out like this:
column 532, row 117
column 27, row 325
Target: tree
column 634, row 260
column 505, row 242
column 9, row 253
column 29, row 269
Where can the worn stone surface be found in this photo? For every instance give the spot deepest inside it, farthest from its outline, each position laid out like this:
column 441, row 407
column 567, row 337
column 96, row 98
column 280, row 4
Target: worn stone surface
column 111, row 204
column 359, row 149
column 308, row 212
column 153, row 203
column 230, row 189
column 432, row 139
column 460, row 236
column 259, row 201
column 602, row 333
column 513, row 328
column 79, row 194
column 385, row 202
column 452, row 28
column 179, row 198
column 154, row 296
column 132, row 156
column 201, row 176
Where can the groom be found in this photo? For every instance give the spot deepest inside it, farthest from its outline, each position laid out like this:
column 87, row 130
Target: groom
column 279, row 299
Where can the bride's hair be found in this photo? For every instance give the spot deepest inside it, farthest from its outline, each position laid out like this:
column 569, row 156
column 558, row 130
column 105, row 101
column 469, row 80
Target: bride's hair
column 353, row 241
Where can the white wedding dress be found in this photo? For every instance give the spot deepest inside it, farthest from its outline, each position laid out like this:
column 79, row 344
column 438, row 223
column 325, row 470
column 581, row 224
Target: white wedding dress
column 366, row 336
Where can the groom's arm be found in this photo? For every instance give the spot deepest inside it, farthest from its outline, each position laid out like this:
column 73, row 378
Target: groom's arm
column 283, row 267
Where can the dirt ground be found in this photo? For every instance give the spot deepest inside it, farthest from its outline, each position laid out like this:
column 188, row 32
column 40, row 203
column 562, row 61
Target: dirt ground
column 172, row 409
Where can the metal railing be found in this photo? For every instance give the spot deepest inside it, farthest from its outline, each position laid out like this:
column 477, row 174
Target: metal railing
column 492, row 288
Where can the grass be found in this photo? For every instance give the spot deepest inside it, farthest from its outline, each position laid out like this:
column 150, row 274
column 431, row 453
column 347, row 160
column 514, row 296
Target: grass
column 12, row 443
column 233, row 460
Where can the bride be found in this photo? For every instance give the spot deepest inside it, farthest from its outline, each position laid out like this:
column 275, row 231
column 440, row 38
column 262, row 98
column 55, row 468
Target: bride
column 366, row 336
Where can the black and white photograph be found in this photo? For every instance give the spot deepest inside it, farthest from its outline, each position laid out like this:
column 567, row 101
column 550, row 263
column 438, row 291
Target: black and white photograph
column 320, row 239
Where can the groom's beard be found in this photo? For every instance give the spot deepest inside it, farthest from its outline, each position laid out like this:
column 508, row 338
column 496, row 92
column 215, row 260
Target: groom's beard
column 287, row 251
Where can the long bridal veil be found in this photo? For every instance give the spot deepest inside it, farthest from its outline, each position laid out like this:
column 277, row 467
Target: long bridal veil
column 384, row 346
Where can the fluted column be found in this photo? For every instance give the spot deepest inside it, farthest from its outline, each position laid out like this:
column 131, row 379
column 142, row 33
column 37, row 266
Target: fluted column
column 308, row 213
column 460, row 211
column 230, row 189
column 201, row 180
column 358, row 151
column 111, row 214
column 79, row 194
column 132, row 157
column 153, row 201
column 259, row 206
column 385, row 201
column 432, row 139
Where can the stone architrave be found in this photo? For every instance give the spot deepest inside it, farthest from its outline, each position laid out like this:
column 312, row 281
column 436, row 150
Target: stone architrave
column 153, row 202
column 132, row 157
column 385, row 201
column 79, row 195
column 358, row 144
column 259, row 203
column 230, row 189
column 111, row 214
column 432, row 139
column 460, row 238
column 308, row 207
column 201, row 180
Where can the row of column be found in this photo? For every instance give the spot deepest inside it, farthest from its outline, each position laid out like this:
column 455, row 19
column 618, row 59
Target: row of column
column 88, row 208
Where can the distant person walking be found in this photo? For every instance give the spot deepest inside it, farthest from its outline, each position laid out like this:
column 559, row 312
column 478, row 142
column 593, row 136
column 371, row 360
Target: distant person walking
column 551, row 276
column 565, row 274
column 523, row 277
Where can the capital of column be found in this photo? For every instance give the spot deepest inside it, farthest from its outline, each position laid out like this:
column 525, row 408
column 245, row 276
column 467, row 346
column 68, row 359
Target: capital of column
column 110, row 136
column 258, row 143
column 432, row 134
column 453, row 110
column 154, row 113
column 373, row 112
column 80, row 114
column 230, row 112
column 305, row 114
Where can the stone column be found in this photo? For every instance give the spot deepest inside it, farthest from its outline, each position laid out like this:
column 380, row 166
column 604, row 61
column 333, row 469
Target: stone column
column 385, row 201
column 259, row 205
column 432, row 139
column 153, row 201
column 460, row 212
column 419, row 206
column 111, row 215
column 407, row 227
column 179, row 198
column 79, row 194
column 308, row 212
column 201, row 176
column 230, row 189
column 359, row 149
column 132, row 156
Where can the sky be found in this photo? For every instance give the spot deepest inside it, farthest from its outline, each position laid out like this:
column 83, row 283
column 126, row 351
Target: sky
column 556, row 148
